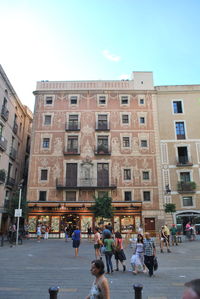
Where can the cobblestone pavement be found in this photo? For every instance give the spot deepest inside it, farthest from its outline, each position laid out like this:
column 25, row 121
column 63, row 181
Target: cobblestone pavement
column 28, row 270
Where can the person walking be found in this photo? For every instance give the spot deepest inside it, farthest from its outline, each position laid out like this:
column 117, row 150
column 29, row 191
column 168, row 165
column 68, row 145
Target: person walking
column 163, row 240
column 100, row 288
column 97, row 243
column 119, row 251
column 39, row 232
column 167, row 233
column 188, row 230
column 89, row 233
column 46, row 235
column 173, row 231
column 76, row 237
column 137, row 260
column 109, row 245
column 149, row 253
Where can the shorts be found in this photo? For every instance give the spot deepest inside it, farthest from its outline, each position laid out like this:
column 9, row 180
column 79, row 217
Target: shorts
column 96, row 246
column 76, row 243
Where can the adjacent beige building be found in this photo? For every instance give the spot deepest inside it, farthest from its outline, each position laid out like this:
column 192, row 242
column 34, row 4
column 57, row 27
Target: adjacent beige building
column 179, row 123
column 15, row 133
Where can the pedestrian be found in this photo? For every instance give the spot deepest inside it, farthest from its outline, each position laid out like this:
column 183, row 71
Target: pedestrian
column 193, row 232
column 119, row 251
column 97, row 243
column 137, row 260
column 89, row 233
column 76, row 237
column 163, row 240
column 173, row 231
column 167, row 233
column 39, row 233
column 192, row 290
column 106, row 231
column 149, row 253
column 109, row 226
column 100, row 288
column 66, row 233
column 140, row 230
column 109, row 247
column 46, row 235
column 188, row 230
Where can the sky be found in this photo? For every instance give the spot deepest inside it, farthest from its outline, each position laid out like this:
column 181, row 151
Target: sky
column 62, row 40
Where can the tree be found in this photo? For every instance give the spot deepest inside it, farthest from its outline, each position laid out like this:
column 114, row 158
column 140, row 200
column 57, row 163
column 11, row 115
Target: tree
column 103, row 207
column 170, row 208
column 13, row 204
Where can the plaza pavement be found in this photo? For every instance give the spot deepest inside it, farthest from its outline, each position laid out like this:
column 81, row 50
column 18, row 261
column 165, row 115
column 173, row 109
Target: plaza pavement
column 28, row 270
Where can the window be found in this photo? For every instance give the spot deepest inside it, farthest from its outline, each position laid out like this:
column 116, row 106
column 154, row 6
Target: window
column 127, row 174
column 180, row 130
column 146, row 196
column 72, row 143
column 102, row 122
column 124, row 100
column 127, row 196
column 1, row 129
column 102, row 144
column 102, row 100
column 49, row 100
column 126, row 142
column 142, row 120
column 73, row 100
column 182, row 155
column 185, row 177
column 145, row 175
column 125, row 118
column 141, row 101
column 70, row 195
column 177, row 106
column 187, row 201
column 45, row 142
column 143, row 143
column 73, row 122
column 44, row 175
column 47, row 119
column 42, row 195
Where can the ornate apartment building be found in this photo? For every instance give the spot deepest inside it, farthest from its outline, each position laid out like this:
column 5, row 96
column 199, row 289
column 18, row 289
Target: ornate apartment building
column 15, row 134
column 95, row 138
column 179, row 123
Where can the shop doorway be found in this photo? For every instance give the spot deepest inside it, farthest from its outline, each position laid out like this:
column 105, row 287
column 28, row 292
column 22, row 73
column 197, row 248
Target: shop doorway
column 149, row 225
column 69, row 222
column 183, row 218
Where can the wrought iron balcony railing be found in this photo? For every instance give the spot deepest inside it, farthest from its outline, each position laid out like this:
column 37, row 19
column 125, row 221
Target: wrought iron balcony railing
column 85, row 184
column 186, row 187
column 71, row 151
column 10, row 182
column 13, row 153
column 102, row 150
column 102, row 126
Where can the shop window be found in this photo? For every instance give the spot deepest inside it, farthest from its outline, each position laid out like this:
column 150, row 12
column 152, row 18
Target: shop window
column 127, row 224
column 127, row 196
column 44, row 174
column 70, row 196
column 145, row 175
column 55, row 224
column 42, row 195
column 146, row 196
column 187, row 201
column 32, row 222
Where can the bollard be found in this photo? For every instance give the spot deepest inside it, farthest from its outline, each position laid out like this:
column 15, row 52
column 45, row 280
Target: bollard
column 138, row 290
column 53, row 291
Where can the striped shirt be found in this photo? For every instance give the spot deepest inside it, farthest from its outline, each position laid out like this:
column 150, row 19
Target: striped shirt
column 149, row 247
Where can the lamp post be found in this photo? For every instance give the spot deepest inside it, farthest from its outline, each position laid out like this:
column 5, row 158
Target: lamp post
column 18, row 216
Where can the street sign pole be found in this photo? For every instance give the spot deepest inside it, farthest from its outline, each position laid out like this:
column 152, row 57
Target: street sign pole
column 19, row 204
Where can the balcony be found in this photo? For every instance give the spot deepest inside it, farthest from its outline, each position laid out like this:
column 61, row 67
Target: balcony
column 4, row 113
column 2, row 176
column 15, row 128
column 102, row 150
column 71, row 151
column 183, row 161
column 186, row 187
column 3, row 143
column 72, row 126
column 10, row 182
column 84, row 184
column 13, row 153
column 102, row 126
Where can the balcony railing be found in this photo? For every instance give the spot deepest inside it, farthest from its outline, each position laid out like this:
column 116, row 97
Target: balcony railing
column 72, row 126
column 15, row 128
column 102, row 126
column 3, row 143
column 71, row 151
column 102, row 150
column 13, row 153
column 186, row 187
column 84, row 184
column 4, row 113
column 10, row 182
column 183, row 161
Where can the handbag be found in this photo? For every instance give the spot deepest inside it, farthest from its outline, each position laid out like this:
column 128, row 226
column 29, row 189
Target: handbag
column 155, row 263
column 103, row 249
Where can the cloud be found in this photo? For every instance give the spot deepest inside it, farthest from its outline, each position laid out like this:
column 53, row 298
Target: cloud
column 124, row 77
column 110, row 56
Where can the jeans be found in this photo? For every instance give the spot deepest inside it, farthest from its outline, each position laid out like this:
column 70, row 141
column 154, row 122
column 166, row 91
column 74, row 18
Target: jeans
column 148, row 261
column 108, row 255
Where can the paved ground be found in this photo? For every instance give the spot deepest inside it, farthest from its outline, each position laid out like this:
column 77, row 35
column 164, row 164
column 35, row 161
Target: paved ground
column 28, row 270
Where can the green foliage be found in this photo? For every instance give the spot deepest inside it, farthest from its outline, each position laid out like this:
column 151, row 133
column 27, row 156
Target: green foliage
column 170, row 208
column 186, row 185
column 13, row 204
column 103, row 207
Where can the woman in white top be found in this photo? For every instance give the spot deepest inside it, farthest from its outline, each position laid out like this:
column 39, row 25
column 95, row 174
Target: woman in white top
column 139, row 255
column 100, row 288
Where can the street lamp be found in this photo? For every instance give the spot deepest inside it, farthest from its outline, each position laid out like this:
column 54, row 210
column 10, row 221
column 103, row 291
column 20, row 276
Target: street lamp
column 19, row 211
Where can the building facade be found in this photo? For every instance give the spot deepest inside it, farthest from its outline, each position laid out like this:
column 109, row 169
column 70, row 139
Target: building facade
column 15, row 134
column 95, row 138
column 179, row 122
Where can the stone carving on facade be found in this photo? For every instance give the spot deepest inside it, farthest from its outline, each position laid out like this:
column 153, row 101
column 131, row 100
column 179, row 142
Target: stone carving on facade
column 135, row 145
column 145, row 164
column 136, row 174
column 56, row 171
column 116, row 174
column 59, row 120
column 115, row 119
column 87, row 150
column 37, row 143
column 58, row 147
column 134, row 119
column 44, row 162
column 115, row 146
column 87, row 130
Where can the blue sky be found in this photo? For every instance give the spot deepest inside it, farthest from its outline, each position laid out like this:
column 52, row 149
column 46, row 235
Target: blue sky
column 98, row 39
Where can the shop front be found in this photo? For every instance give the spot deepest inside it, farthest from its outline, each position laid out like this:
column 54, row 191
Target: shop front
column 182, row 218
column 60, row 217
